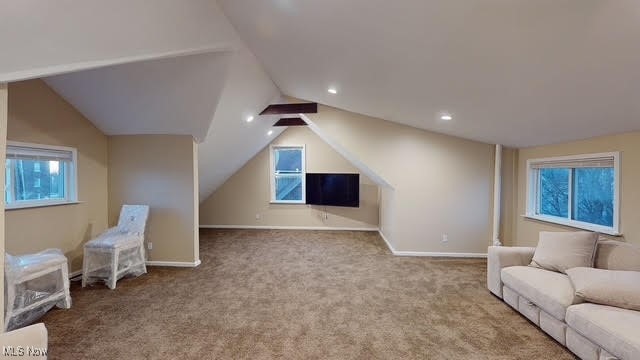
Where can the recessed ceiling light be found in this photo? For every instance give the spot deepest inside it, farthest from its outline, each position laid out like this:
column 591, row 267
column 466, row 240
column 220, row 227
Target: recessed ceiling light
column 446, row 117
column 332, row 90
column 269, row 132
column 250, row 118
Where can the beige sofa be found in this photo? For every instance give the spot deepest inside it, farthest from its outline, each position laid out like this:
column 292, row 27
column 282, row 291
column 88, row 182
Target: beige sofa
column 547, row 298
column 26, row 343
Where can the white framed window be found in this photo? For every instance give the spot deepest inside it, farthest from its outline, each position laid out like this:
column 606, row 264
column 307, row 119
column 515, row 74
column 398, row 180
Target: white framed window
column 287, row 174
column 39, row 175
column 581, row 191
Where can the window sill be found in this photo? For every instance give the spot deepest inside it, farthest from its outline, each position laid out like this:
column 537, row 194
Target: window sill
column 33, row 206
column 574, row 224
column 287, row 202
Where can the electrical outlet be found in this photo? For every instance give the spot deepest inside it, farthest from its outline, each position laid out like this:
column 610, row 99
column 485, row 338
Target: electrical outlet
column 445, row 238
column 257, row 216
column 150, row 246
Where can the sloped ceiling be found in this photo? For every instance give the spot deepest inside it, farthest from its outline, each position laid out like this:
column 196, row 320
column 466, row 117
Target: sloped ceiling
column 133, row 67
column 42, row 38
column 232, row 141
column 167, row 96
column 208, row 96
column 518, row 73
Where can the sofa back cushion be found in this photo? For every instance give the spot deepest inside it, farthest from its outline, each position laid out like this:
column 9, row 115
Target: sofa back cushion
column 607, row 287
column 559, row 251
column 617, row 255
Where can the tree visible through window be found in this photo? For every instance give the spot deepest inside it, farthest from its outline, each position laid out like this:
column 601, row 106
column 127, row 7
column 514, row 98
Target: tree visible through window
column 594, row 195
column 580, row 191
column 554, row 193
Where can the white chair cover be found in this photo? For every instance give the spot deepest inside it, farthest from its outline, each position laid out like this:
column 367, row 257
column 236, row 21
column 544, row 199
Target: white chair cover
column 34, row 284
column 119, row 251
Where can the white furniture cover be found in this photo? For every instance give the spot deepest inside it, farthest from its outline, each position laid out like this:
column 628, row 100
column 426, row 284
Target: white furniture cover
column 119, row 251
column 34, row 284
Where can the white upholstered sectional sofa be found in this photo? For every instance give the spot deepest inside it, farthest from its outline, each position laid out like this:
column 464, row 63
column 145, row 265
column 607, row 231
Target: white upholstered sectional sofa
column 548, row 299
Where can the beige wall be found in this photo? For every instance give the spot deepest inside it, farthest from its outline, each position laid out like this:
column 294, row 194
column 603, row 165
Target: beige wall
column 195, row 205
column 38, row 115
column 247, row 193
column 387, row 213
column 441, row 184
column 159, row 171
column 3, row 146
column 508, row 195
column 628, row 144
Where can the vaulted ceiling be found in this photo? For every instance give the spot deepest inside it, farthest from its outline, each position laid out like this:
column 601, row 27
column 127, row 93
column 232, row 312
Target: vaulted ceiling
column 43, row 38
column 519, row 73
column 166, row 96
column 171, row 67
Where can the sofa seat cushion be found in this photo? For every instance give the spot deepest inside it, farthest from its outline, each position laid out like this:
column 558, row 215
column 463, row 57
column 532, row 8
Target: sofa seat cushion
column 612, row 328
column 549, row 290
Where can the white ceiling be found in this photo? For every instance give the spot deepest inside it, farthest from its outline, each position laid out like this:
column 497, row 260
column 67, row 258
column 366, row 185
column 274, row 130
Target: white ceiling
column 133, row 67
column 41, row 38
column 519, row 73
column 232, row 141
column 208, row 96
column 168, row 96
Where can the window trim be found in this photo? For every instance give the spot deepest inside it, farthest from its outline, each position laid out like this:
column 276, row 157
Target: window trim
column 532, row 190
column 71, row 179
column 272, row 173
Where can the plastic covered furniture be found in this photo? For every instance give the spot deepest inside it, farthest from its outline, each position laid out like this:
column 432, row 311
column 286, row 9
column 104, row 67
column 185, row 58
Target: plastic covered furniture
column 34, row 283
column 119, row 251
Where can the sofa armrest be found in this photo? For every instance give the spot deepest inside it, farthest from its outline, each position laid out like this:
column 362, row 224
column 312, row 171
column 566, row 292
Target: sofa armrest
column 499, row 257
column 27, row 343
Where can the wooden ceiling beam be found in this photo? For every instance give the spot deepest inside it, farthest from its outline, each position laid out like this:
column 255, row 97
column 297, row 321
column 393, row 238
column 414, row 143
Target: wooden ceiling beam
column 281, row 109
column 292, row 121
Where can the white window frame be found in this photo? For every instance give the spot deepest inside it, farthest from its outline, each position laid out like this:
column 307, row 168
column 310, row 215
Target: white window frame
column 71, row 179
column 533, row 184
column 272, row 174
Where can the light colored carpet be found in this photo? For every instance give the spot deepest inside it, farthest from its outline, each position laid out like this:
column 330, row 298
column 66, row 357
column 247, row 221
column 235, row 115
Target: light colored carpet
column 298, row 295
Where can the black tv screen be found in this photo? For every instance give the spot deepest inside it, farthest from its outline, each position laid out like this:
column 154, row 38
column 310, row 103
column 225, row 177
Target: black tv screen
column 333, row 189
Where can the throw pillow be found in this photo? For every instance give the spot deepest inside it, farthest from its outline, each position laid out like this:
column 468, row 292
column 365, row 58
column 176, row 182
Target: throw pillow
column 607, row 287
column 559, row 251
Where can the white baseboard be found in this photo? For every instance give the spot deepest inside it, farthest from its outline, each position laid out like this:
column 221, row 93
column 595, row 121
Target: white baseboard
column 394, row 251
column 268, row 227
column 386, row 241
column 152, row 263
column 440, row 254
column 430, row 254
column 174, row 263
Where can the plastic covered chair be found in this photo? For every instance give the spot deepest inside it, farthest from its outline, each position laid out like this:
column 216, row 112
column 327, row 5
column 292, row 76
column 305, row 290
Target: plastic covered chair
column 34, row 284
column 119, row 251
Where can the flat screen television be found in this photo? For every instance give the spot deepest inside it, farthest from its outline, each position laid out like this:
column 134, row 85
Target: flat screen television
column 333, row 189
